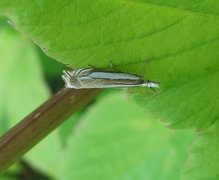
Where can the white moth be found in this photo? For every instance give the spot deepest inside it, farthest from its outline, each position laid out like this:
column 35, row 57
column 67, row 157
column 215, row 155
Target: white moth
column 86, row 78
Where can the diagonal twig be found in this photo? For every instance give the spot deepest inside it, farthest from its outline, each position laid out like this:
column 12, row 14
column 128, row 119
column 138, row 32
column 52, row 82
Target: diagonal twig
column 33, row 128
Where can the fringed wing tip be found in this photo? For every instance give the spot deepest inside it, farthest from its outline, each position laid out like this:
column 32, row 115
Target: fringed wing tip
column 153, row 84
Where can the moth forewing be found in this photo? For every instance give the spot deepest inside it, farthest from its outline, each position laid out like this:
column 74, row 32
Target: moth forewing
column 100, row 79
column 92, row 78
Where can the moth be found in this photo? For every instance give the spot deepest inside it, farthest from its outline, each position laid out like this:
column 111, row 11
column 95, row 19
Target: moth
column 86, row 78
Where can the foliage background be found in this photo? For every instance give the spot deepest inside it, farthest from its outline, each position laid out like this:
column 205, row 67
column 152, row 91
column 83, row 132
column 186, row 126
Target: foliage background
column 113, row 138
column 178, row 44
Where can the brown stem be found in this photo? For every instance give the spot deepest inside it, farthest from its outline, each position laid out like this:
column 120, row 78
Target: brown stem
column 27, row 133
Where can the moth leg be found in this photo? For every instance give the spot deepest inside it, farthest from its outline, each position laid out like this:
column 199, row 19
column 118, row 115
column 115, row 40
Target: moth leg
column 144, row 69
column 76, row 81
column 153, row 89
column 112, row 67
column 93, row 67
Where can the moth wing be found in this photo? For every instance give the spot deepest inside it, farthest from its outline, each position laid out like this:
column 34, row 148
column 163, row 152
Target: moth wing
column 84, row 72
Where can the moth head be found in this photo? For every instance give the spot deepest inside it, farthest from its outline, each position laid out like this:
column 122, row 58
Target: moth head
column 69, row 79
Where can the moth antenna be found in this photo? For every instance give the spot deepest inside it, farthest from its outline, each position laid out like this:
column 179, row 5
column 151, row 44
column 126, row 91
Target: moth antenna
column 91, row 66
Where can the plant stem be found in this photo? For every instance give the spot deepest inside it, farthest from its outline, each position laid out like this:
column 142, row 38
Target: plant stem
column 27, row 133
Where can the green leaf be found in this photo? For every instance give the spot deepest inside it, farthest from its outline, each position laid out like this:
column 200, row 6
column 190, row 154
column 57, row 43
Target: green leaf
column 67, row 128
column 176, row 41
column 203, row 162
column 112, row 136
column 115, row 141
column 5, row 177
column 22, row 87
column 46, row 155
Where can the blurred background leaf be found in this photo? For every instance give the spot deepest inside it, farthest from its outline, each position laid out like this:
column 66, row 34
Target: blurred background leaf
column 203, row 160
column 113, row 139
column 22, row 86
column 119, row 131
column 116, row 139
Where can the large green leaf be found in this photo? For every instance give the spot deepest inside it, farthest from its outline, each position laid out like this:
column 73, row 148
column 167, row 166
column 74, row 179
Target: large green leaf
column 22, row 87
column 114, row 140
column 176, row 41
column 48, row 154
column 203, row 160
